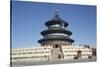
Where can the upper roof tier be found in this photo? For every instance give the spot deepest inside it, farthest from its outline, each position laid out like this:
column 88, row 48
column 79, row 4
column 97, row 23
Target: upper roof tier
column 56, row 20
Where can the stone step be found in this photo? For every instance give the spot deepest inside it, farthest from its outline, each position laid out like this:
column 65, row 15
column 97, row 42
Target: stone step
column 56, row 52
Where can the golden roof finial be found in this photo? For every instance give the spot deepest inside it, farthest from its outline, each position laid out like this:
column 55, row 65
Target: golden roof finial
column 56, row 12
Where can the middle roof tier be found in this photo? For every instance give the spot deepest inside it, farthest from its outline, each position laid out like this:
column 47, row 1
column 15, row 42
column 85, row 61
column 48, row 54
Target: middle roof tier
column 50, row 31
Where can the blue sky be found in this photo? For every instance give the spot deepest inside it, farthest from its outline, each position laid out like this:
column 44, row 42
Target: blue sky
column 28, row 20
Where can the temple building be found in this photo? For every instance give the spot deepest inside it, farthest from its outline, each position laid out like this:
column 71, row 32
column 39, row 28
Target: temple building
column 56, row 44
column 56, row 34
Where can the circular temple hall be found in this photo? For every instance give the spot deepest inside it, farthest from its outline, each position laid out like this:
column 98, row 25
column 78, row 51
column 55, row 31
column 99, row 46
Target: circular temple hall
column 56, row 34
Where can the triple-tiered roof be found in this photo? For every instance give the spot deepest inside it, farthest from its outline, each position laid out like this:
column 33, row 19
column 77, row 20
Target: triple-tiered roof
column 56, row 30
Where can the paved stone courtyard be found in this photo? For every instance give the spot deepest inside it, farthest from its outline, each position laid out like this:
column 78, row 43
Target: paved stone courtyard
column 24, row 64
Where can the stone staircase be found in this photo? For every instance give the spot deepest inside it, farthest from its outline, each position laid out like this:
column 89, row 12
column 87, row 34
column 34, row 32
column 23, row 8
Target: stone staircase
column 56, row 54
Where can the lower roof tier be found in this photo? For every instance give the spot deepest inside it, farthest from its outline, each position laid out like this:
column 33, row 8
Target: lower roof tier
column 56, row 38
column 45, row 32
